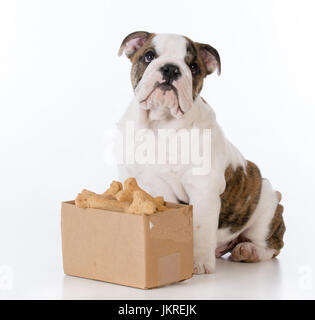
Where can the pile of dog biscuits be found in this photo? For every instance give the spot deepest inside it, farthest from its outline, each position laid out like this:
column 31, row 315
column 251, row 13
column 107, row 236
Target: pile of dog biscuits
column 129, row 198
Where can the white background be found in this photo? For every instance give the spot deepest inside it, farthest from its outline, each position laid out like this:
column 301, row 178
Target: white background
column 62, row 85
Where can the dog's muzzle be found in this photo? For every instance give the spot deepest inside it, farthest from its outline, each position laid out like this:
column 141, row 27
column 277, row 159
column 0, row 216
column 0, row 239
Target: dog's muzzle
column 165, row 89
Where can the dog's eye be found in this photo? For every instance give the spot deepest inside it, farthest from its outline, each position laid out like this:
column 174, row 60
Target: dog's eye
column 149, row 56
column 194, row 68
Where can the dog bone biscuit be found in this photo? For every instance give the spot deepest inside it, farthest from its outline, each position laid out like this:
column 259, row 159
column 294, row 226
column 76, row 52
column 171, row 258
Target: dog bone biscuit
column 132, row 186
column 115, row 187
column 85, row 191
column 141, row 204
column 124, row 195
column 131, row 199
column 99, row 201
column 106, row 196
column 159, row 201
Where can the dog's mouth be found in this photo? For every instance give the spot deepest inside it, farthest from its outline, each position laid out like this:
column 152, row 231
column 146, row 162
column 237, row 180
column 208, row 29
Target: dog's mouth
column 164, row 87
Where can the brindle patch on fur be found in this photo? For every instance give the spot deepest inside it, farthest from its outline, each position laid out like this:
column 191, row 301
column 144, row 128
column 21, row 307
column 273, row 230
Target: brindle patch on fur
column 241, row 196
column 277, row 229
column 193, row 56
column 138, row 64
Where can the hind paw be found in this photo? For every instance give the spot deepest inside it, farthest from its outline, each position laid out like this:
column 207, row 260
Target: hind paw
column 245, row 252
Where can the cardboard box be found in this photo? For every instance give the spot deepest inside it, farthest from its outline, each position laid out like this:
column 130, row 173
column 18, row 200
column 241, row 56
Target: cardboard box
column 134, row 250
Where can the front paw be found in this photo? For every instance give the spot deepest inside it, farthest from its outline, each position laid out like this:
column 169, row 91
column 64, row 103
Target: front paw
column 204, row 263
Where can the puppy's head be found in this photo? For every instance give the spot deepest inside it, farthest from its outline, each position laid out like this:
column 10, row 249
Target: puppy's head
column 167, row 71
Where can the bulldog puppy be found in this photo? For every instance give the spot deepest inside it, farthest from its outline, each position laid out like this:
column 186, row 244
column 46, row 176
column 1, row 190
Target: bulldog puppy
column 235, row 209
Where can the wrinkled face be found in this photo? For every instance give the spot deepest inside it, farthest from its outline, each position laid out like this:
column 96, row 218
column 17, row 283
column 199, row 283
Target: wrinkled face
column 167, row 71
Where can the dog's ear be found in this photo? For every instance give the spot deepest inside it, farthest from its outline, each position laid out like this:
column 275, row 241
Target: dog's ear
column 210, row 58
column 133, row 42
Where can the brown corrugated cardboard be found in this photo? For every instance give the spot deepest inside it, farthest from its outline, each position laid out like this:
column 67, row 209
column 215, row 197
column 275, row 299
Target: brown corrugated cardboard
column 143, row 251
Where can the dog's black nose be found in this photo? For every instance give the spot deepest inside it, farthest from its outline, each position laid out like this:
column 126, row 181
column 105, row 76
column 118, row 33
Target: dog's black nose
column 170, row 72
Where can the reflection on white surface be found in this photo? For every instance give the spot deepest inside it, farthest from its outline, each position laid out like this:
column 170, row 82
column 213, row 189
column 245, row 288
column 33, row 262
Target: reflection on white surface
column 232, row 281
column 274, row 279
